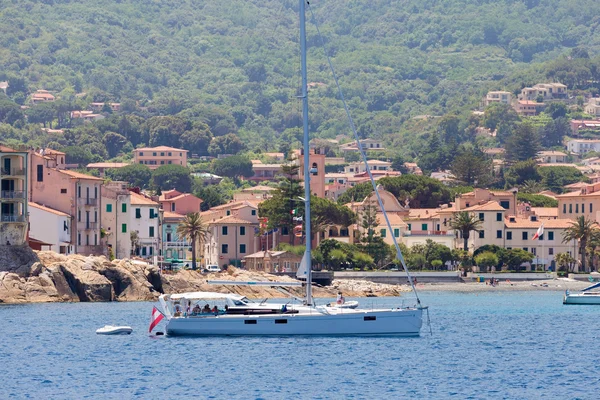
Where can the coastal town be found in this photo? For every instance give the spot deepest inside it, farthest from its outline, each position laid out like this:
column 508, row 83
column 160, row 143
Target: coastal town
column 51, row 203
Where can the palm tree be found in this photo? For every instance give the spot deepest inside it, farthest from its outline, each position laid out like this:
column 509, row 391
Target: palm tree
column 582, row 230
column 465, row 223
column 195, row 230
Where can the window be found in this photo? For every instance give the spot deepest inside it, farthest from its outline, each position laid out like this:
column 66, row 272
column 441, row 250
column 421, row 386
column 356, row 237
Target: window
column 423, row 227
column 505, row 204
column 582, row 208
column 124, row 228
column 154, row 153
column 253, row 212
column 550, row 235
column 590, row 207
column 162, row 163
column 63, row 191
column 526, row 248
column 87, row 240
column 524, row 235
column 40, row 173
column 152, row 213
column 576, row 208
column 285, row 231
column 481, row 216
column 162, row 154
column 109, row 208
column 228, row 212
column 143, row 251
column 169, row 153
column 95, row 192
column 564, row 208
column 481, row 234
column 123, row 207
column 242, row 230
column 79, row 191
column 550, row 251
column 498, row 216
column 224, row 248
column 224, row 230
column 138, row 213
column 396, row 232
column 78, row 239
column 541, row 237
column 533, row 251
column 150, row 250
column 95, row 216
column 79, row 215
column 498, row 234
column 570, row 208
column 151, row 231
column 383, row 233
column 95, row 239
column 141, row 153
column 508, row 235
column 410, row 227
column 242, row 248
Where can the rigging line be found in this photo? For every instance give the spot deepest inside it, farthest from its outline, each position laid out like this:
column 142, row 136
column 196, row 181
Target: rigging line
column 364, row 157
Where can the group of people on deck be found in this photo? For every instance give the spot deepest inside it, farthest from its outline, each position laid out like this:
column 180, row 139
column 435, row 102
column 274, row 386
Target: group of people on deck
column 204, row 310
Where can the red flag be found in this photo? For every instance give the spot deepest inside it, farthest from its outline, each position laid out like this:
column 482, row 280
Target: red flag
column 157, row 316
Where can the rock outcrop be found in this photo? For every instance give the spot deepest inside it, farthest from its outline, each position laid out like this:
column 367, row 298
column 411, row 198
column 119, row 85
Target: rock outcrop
column 46, row 276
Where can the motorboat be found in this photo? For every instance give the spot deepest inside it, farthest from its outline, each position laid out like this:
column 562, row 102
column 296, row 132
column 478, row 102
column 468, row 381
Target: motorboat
column 114, row 330
column 241, row 316
column 585, row 296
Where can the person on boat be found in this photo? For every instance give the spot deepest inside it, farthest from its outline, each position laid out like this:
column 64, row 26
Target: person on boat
column 340, row 299
column 215, row 310
column 196, row 309
column 206, row 308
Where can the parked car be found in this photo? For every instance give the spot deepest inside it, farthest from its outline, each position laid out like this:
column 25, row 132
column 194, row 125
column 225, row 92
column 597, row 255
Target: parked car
column 212, row 268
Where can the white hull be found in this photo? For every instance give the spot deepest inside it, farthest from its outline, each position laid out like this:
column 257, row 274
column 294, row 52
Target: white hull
column 582, row 298
column 401, row 322
column 114, row 330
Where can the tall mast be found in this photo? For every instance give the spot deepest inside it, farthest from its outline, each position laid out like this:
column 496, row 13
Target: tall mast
column 306, row 147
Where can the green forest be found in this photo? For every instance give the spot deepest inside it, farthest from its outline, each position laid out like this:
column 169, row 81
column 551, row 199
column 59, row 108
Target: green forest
column 223, row 76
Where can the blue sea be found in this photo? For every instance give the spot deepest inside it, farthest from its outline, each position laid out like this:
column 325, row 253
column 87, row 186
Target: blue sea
column 510, row 345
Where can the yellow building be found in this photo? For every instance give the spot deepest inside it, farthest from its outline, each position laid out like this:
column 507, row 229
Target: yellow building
column 154, row 157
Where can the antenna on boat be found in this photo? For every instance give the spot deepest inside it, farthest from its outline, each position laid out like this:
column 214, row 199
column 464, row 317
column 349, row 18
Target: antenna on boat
column 306, row 146
column 362, row 153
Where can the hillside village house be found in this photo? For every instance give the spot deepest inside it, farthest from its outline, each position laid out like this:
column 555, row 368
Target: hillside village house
column 593, row 107
column 508, row 200
column 582, row 146
column 115, row 107
column 265, row 172
column 528, row 108
column 272, row 261
column 552, row 157
column 116, row 208
column 180, row 203
column 144, row 218
column 72, row 193
column 547, row 91
column 588, row 125
column 367, row 145
column 374, row 166
column 497, row 97
column 154, row 157
column 14, row 173
column 51, row 227
column 41, row 96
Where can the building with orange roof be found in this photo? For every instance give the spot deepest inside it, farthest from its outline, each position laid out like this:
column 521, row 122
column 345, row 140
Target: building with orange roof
column 50, row 226
column 154, row 157
column 72, row 193
column 231, row 238
column 144, row 220
column 181, row 203
column 41, row 96
column 585, row 201
column 174, row 248
column 507, row 199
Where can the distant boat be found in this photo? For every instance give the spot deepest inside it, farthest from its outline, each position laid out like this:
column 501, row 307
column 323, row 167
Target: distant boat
column 114, row 330
column 185, row 316
column 585, row 296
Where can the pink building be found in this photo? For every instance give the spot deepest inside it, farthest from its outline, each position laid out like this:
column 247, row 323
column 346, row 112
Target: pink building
column 72, row 193
column 180, row 203
column 154, row 157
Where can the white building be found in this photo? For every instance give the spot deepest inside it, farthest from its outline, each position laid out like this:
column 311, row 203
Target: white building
column 50, row 226
column 593, row 107
column 581, row 146
column 144, row 219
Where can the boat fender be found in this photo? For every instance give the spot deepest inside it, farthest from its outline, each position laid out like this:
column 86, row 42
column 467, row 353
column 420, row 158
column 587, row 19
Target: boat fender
column 160, row 333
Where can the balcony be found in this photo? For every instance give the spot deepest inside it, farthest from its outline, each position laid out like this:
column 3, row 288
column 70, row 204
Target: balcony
column 13, row 194
column 90, row 226
column 13, row 218
column 88, row 201
column 429, row 233
column 12, row 171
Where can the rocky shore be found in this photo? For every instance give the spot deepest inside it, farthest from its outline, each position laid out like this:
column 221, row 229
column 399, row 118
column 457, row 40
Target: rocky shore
column 27, row 276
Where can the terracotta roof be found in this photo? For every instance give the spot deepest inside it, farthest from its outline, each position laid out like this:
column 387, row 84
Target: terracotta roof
column 259, row 188
column 395, row 219
column 545, row 211
column 422, row 213
column 230, row 220
column 551, row 153
column 492, row 192
column 107, row 165
column 159, row 148
column 78, row 175
column 488, row 206
column 172, row 215
column 525, row 223
column 6, row 149
column 48, row 209
column 576, row 185
column 139, row 200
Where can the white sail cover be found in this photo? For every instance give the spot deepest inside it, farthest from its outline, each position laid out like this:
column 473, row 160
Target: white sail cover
column 302, row 272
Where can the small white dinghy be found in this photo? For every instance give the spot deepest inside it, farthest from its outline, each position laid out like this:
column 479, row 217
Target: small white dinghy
column 114, row 330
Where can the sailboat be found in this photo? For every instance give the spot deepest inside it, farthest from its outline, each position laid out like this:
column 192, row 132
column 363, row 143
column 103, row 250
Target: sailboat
column 241, row 316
